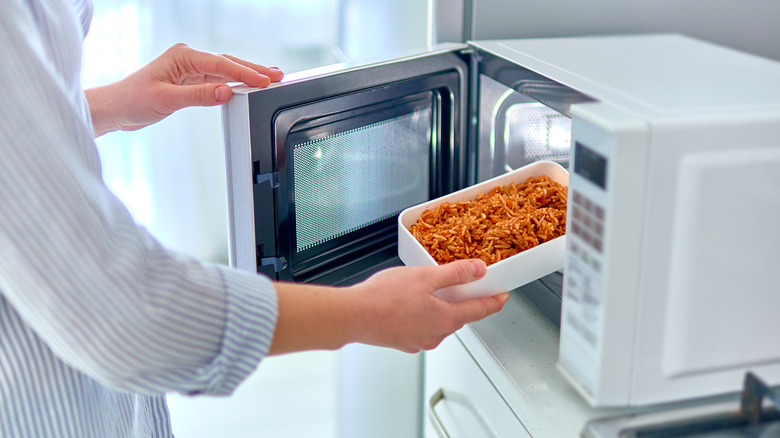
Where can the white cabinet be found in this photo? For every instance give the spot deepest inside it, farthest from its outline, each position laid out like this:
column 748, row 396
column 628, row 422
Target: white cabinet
column 461, row 399
column 499, row 378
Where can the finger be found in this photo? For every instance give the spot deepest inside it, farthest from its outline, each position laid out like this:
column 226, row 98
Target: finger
column 458, row 272
column 272, row 73
column 478, row 308
column 183, row 96
column 228, row 68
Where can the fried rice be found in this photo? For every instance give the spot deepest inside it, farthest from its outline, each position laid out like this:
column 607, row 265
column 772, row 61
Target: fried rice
column 496, row 225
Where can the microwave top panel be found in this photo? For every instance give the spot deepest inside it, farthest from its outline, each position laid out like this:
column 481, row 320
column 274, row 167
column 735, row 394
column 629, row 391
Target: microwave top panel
column 664, row 75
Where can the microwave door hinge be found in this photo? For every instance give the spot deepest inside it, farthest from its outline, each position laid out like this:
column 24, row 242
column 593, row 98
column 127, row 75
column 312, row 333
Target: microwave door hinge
column 279, row 263
column 473, row 53
column 272, row 178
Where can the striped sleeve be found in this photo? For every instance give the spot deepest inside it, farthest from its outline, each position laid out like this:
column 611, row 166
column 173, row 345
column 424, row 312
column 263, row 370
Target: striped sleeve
column 102, row 293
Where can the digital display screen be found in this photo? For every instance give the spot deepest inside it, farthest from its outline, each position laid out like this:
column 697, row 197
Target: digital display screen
column 590, row 165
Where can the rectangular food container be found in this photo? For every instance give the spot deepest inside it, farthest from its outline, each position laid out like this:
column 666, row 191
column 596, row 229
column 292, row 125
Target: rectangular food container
column 503, row 276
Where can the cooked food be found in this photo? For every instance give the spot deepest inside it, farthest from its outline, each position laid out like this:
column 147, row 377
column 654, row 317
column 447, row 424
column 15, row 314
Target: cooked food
column 497, row 225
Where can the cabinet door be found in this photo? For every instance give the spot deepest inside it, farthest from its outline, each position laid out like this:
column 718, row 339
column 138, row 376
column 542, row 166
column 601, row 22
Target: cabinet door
column 461, row 400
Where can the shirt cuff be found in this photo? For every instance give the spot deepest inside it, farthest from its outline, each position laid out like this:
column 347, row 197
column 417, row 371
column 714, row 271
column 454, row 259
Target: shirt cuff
column 250, row 319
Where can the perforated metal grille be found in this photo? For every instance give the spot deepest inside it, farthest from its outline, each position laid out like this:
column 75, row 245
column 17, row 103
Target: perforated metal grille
column 536, row 132
column 350, row 180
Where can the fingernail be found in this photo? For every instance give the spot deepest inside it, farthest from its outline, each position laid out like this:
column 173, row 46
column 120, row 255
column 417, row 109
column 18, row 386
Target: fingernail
column 479, row 268
column 222, row 93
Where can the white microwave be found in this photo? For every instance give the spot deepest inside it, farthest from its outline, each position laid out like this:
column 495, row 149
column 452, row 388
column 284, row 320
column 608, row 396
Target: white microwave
column 672, row 279
column 669, row 283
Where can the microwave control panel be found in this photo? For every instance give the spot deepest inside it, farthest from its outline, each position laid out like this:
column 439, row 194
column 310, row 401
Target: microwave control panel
column 582, row 316
column 603, row 252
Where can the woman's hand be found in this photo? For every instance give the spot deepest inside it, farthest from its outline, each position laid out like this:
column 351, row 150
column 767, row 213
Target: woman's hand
column 179, row 78
column 394, row 308
column 405, row 314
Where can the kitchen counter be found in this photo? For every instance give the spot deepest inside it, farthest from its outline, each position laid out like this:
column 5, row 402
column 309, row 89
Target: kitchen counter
column 517, row 349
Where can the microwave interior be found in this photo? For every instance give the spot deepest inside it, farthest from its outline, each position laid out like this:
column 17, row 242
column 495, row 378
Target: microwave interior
column 516, row 130
column 337, row 158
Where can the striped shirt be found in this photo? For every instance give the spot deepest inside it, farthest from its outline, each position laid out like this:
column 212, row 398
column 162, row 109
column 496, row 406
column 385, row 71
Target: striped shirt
column 97, row 320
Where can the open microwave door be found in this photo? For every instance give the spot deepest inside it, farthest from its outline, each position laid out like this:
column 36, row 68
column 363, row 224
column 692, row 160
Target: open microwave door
column 319, row 167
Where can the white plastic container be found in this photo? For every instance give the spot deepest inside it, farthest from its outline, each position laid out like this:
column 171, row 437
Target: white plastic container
column 503, row 276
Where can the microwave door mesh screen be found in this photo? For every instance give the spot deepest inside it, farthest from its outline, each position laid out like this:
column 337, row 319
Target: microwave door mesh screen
column 349, row 180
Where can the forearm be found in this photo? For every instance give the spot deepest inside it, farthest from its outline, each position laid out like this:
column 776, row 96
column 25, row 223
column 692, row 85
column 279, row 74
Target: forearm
column 394, row 308
column 315, row 318
column 103, row 108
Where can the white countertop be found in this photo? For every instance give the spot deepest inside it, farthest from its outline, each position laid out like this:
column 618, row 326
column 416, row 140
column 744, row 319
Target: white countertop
column 517, row 349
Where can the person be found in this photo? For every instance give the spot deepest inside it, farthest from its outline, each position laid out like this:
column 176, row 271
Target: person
column 97, row 319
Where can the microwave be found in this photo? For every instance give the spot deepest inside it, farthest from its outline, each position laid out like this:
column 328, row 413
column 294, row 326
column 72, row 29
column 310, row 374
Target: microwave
column 320, row 165
column 668, row 287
